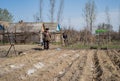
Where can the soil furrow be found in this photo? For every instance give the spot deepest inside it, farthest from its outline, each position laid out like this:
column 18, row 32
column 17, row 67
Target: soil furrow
column 59, row 64
column 97, row 70
column 75, row 71
column 115, row 58
column 109, row 70
column 53, row 69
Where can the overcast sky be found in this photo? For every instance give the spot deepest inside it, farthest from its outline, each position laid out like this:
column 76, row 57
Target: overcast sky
column 73, row 10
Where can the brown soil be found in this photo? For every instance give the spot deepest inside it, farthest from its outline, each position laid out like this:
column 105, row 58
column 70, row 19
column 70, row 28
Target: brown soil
column 56, row 64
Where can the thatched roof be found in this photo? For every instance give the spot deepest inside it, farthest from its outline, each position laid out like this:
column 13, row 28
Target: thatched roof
column 28, row 26
column 31, row 26
column 4, row 23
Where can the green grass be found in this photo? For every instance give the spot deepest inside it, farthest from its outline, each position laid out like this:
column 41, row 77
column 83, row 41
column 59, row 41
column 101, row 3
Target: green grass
column 80, row 46
column 56, row 43
column 3, row 42
column 114, row 46
column 77, row 46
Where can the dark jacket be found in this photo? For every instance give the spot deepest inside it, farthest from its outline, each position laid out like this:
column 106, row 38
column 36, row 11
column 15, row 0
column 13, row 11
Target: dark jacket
column 64, row 35
column 46, row 36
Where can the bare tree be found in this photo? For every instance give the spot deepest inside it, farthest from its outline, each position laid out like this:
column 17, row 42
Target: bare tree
column 107, row 15
column 109, row 28
column 60, row 11
column 90, row 14
column 52, row 10
column 41, row 10
column 119, row 22
column 36, row 17
column 119, row 18
column 69, row 23
column 119, row 32
column 108, row 19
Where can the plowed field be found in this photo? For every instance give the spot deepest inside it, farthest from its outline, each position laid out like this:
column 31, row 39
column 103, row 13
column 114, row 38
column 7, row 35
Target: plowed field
column 34, row 64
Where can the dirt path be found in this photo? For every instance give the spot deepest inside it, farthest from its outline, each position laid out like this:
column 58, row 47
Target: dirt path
column 60, row 65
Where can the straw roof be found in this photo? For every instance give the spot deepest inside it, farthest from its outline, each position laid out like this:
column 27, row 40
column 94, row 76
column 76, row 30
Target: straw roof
column 4, row 23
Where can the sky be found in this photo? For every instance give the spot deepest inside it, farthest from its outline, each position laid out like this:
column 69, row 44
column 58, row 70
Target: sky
column 72, row 14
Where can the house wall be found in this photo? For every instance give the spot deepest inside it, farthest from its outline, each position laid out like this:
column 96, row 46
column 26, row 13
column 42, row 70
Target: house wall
column 32, row 29
column 58, row 37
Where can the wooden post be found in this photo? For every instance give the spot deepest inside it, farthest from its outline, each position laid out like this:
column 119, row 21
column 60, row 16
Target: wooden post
column 3, row 37
column 11, row 41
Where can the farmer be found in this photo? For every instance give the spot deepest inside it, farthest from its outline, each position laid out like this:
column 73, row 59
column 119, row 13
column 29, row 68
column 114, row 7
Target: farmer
column 65, row 38
column 46, row 38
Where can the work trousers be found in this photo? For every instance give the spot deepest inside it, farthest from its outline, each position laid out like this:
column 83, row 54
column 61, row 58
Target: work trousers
column 46, row 45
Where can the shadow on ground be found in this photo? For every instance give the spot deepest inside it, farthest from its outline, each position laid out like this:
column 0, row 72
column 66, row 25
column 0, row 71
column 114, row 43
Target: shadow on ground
column 37, row 49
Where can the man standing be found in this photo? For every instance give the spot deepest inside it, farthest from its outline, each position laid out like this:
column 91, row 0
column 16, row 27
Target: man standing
column 65, row 38
column 46, row 38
